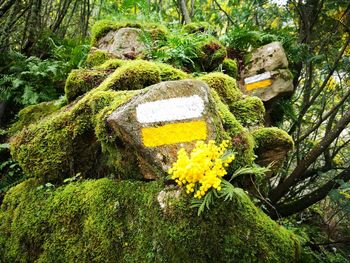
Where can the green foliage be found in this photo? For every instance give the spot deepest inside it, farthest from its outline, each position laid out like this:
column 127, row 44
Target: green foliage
column 270, row 138
column 27, row 81
column 228, row 192
column 113, row 221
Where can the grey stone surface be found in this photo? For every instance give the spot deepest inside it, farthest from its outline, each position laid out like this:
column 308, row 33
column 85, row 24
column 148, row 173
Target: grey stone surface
column 124, row 43
column 128, row 122
column 266, row 58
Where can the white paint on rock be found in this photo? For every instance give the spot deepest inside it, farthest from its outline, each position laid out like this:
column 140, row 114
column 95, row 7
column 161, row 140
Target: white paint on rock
column 180, row 108
column 256, row 78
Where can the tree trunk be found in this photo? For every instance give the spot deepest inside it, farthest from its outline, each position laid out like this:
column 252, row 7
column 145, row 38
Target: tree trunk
column 184, row 11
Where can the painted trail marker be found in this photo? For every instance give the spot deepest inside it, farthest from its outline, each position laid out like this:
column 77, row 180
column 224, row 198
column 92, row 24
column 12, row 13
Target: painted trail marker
column 258, row 81
column 164, row 118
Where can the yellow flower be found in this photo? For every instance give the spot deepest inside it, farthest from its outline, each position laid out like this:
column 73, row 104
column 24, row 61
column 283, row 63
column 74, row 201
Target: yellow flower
column 203, row 169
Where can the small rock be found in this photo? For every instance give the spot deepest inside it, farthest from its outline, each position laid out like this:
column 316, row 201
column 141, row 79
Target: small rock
column 270, row 84
column 266, row 58
column 125, row 43
column 164, row 118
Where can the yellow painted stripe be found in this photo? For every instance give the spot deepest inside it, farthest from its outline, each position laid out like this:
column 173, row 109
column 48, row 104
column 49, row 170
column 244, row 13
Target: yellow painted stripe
column 258, row 85
column 174, row 133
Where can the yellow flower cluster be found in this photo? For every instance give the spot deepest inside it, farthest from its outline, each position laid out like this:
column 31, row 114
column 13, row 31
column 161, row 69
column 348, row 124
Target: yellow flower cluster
column 203, row 169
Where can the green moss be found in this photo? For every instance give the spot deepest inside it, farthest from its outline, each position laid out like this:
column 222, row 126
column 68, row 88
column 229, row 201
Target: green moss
column 97, row 57
column 111, row 64
column 229, row 66
column 271, row 138
column 65, row 143
column 242, row 141
column 107, row 221
column 224, row 85
column 249, row 111
column 102, row 27
column 34, row 113
column 210, row 54
column 198, row 27
column 168, row 72
column 79, row 81
column 133, row 75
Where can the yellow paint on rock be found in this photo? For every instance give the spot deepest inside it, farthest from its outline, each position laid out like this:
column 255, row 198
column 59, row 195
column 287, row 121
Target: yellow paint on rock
column 258, row 85
column 174, row 133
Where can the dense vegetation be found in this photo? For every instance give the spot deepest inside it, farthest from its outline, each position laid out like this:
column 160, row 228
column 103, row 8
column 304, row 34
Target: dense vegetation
column 45, row 64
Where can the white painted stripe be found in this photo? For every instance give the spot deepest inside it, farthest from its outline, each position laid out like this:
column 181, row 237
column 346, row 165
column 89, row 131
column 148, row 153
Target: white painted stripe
column 256, row 78
column 180, row 108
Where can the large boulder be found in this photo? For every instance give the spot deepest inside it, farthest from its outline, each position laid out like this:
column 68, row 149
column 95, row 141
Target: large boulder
column 166, row 117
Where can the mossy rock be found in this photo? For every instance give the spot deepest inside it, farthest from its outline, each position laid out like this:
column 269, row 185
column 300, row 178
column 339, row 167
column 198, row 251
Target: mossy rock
column 80, row 81
column 210, row 54
column 249, row 111
column 111, row 64
column 224, row 85
column 229, row 67
column 102, row 27
column 97, row 57
column 271, row 146
column 168, row 72
column 197, row 27
column 68, row 142
column 34, row 113
column 133, row 75
column 108, row 221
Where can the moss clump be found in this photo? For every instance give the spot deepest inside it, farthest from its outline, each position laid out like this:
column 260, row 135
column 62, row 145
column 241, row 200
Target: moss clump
column 241, row 139
column 80, row 81
column 197, row 27
column 102, row 27
column 224, row 85
column 34, row 113
column 107, row 221
column 111, row 64
column 168, row 72
column 272, row 138
column 65, row 143
column 229, row 66
column 97, row 57
column 210, row 54
column 133, row 75
column 249, row 111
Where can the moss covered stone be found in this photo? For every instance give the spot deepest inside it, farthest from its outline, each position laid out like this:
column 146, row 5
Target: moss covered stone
column 80, row 81
column 242, row 141
column 111, row 64
column 168, row 72
column 224, row 85
column 133, row 75
column 272, row 137
column 210, row 54
column 107, row 221
column 197, row 27
column 229, row 66
column 34, row 113
column 249, row 112
column 271, row 146
column 97, row 57
column 66, row 143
